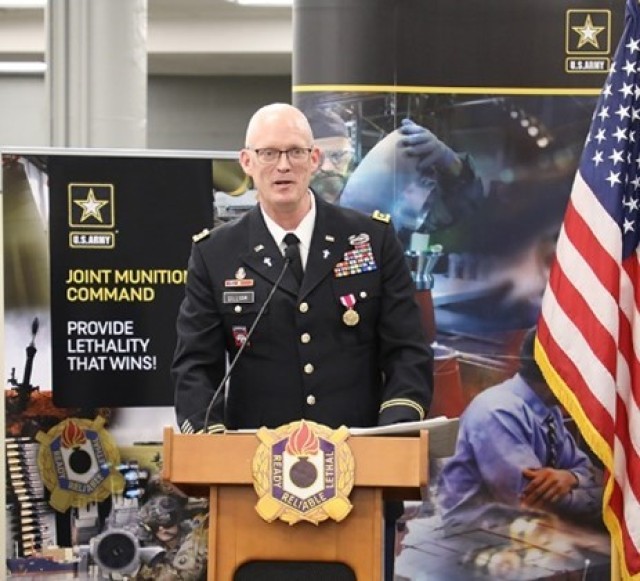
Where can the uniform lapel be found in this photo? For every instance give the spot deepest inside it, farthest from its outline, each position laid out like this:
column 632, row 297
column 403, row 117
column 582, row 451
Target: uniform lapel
column 262, row 254
column 328, row 246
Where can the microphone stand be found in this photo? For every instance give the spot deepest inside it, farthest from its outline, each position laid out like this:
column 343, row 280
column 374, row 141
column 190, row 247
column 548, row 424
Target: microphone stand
column 219, row 388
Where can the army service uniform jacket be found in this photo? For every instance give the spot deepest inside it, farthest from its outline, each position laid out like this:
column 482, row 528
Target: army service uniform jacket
column 305, row 358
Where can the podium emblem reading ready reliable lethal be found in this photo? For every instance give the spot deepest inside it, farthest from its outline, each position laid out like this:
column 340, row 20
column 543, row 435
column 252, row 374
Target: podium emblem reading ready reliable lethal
column 303, row 472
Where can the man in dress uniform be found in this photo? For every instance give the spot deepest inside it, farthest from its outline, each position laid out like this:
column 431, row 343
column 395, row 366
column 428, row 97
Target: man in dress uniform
column 342, row 347
column 338, row 340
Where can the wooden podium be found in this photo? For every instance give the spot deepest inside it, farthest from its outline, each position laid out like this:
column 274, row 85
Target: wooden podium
column 220, row 466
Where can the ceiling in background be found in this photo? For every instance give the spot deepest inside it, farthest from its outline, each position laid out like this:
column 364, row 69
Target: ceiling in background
column 184, row 37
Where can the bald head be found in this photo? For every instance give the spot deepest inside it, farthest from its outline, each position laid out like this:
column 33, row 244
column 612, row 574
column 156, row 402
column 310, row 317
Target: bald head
column 280, row 157
column 280, row 115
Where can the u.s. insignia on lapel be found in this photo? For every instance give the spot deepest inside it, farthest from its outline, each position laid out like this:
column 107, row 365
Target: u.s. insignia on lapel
column 266, row 260
column 359, row 259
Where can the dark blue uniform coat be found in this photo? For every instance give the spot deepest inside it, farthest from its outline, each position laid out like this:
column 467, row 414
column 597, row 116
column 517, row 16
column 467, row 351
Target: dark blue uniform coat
column 302, row 361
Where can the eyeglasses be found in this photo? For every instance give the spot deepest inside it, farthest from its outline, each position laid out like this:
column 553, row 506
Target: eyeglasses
column 336, row 156
column 166, row 521
column 268, row 155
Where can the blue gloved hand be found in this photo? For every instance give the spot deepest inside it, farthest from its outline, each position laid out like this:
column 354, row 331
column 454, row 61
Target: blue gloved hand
column 421, row 143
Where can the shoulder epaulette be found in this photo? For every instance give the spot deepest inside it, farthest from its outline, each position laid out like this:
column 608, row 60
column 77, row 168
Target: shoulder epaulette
column 201, row 235
column 381, row 216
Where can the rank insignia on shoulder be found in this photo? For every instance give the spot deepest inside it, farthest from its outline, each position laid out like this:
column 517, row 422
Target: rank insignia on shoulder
column 201, row 235
column 381, row 216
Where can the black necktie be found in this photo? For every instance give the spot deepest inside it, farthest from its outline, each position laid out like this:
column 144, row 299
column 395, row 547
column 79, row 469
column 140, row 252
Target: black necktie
column 292, row 252
column 552, row 438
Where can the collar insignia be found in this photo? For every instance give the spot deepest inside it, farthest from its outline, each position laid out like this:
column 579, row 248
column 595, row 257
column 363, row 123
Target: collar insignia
column 381, row 217
column 201, row 235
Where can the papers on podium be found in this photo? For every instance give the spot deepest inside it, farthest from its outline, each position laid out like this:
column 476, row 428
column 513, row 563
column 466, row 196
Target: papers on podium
column 443, row 433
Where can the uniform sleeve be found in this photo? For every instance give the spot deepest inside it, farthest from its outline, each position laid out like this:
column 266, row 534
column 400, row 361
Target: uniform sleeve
column 501, row 444
column 199, row 360
column 406, row 357
column 493, row 447
column 586, row 498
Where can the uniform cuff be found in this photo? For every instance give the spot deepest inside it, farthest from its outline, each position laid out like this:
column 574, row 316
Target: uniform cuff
column 399, row 410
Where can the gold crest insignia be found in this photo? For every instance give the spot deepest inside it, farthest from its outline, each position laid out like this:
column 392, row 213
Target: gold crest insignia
column 303, row 471
column 77, row 460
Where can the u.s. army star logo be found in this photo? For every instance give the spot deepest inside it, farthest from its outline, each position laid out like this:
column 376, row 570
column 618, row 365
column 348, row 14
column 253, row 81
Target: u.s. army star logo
column 91, row 205
column 588, row 41
column 303, row 471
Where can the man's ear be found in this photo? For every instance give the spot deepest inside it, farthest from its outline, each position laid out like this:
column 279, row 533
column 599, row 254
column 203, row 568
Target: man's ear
column 245, row 161
column 316, row 156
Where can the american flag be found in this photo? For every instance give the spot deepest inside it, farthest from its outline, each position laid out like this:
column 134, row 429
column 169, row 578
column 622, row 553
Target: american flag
column 588, row 342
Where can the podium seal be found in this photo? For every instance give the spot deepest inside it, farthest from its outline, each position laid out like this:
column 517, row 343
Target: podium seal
column 303, row 471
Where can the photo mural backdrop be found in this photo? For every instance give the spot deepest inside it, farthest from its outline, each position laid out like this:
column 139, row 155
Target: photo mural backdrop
column 497, row 98
column 465, row 122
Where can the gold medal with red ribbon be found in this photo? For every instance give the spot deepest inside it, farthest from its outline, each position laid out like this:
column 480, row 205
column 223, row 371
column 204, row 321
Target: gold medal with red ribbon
column 303, row 471
column 350, row 317
column 77, row 461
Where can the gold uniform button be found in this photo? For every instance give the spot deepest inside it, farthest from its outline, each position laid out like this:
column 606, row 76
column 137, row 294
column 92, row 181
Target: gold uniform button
column 363, row 294
column 304, row 307
column 305, row 337
column 308, row 369
column 237, row 309
column 311, row 400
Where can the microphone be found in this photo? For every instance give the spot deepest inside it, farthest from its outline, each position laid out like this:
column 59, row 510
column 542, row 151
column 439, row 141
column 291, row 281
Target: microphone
column 287, row 261
column 290, row 253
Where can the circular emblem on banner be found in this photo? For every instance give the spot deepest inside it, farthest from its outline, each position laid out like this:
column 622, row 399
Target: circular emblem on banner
column 303, row 471
column 77, row 460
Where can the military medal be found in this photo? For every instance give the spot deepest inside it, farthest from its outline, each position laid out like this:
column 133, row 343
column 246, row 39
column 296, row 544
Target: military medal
column 357, row 260
column 350, row 317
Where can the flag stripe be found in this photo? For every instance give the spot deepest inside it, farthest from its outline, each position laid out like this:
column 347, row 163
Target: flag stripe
column 619, row 529
column 587, row 301
column 580, row 400
column 597, row 234
column 629, row 524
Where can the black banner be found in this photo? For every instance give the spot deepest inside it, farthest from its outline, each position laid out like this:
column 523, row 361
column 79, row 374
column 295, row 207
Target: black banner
column 120, row 234
column 455, row 43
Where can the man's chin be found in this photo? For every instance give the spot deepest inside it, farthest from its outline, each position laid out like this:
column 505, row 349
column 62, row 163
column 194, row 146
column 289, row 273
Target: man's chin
column 329, row 188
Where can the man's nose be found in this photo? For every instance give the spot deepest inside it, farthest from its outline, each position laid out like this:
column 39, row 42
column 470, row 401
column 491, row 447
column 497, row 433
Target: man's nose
column 283, row 161
column 327, row 164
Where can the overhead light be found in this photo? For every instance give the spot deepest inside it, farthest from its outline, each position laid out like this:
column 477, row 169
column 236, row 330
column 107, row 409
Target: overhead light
column 23, row 4
column 22, row 67
column 264, row 3
column 543, row 142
